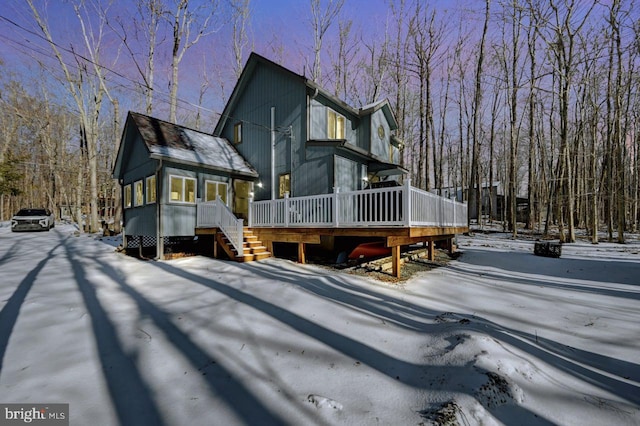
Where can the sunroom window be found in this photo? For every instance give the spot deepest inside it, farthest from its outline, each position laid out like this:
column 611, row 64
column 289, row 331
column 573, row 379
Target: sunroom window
column 214, row 189
column 127, row 196
column 139, row 194
column 183, row 189
column 151, row 189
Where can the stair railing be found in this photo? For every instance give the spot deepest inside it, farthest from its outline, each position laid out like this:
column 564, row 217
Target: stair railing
column 217, row 213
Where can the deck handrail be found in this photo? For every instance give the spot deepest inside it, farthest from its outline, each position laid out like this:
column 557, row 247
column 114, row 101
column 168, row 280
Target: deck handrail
column 395, row 206
column 216, row 213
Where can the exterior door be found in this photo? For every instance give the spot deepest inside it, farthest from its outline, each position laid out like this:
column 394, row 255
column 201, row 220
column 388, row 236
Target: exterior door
column 241, row 195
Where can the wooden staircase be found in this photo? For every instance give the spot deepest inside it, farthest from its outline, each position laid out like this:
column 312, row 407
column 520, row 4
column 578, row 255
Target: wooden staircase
column 252, row 247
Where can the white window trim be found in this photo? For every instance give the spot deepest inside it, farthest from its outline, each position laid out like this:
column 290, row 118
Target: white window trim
column 147, row 192
column 137, row 183
column 217, row 182
column 128, row 206
column 344, row 121
column 184, row 179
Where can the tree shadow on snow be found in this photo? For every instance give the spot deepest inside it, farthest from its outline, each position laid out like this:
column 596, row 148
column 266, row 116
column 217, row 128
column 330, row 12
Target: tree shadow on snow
column 11, row 310
column 220, row 380
column 129, row 392
column 353, row 297
column 610, row 374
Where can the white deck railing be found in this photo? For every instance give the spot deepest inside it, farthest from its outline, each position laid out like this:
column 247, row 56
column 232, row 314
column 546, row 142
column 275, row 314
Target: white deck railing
column 397, row 206
column 217, row 214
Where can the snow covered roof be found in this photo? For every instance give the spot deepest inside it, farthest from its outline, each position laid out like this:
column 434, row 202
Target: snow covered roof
column 181, row 144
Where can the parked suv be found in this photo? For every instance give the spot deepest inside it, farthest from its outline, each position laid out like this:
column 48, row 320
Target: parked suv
column 32, row 220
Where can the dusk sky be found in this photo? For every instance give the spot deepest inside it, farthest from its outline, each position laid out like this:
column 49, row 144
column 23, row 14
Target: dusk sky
column 279, row 23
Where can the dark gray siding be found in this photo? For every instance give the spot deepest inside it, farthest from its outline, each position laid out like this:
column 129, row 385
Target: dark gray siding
column 315, row 176
column 380, row 147
column 346, row 174
column 139, row 220
column 179, row 219
column 270, row 87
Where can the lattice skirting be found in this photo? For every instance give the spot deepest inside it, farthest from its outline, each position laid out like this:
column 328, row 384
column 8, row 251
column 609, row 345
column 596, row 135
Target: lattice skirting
column 133, row 241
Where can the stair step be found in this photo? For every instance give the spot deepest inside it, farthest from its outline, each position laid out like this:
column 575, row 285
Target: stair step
column 252, row 257
column 253, row 250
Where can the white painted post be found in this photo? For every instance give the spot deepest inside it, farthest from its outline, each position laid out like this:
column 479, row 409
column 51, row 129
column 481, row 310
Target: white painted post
column 407, row 201
column 336, row 191
column 286, row 209
column 250, row 218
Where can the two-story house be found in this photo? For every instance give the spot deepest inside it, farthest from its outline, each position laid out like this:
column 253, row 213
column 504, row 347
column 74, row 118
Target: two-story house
column 288, row 159
column 301, row 139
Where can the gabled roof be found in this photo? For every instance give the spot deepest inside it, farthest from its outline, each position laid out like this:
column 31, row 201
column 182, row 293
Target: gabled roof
column 386, row 109
column 244, row 79
column 182, row 145
column 256, row 60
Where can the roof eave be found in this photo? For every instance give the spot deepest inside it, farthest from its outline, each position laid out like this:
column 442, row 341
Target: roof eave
column 253, row 175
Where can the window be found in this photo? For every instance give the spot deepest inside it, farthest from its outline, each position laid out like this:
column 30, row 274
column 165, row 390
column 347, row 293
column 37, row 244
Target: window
column 213, row 189
column 335, row 124
column 237, row 133
column 139, row 195
column 127, row 196
column 151, row 189
column 183, row 189
column 285, row 184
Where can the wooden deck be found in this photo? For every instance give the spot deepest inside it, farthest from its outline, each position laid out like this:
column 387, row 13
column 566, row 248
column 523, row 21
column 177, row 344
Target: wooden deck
column 400, row 216
column 394, row 237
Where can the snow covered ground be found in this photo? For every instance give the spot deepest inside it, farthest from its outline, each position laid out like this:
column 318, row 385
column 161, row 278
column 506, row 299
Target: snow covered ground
column 499, row 336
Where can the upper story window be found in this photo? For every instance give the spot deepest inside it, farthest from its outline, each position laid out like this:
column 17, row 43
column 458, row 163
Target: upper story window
column 335, row 125
column 151, row 189
column 127, row 196
column 183, row 189
column 139, row 195
column 237, row 133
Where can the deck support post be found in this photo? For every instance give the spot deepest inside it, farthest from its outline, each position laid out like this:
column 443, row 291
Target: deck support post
column 431, row 252
column 215, row 248
column 395, row 261
column 451, row 246
column 301, row 254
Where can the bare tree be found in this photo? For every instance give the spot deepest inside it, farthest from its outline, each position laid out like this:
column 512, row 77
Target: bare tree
column 240, row 18
column 426, row 34
column 88, row 91
column 188, row 24
column 475, row 183
column 343, row 63
column 322, row 16
column 149, row 14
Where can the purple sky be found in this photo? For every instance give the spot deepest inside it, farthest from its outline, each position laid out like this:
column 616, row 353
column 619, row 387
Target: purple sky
column 274, row 23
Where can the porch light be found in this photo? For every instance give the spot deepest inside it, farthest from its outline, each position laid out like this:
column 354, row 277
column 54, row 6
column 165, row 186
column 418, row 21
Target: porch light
column 260, row 184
